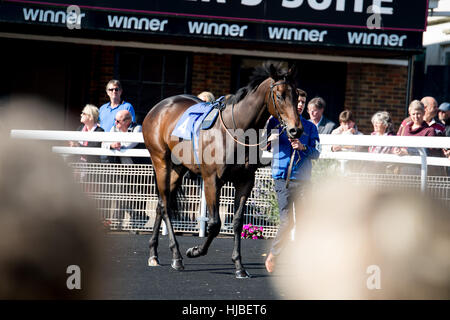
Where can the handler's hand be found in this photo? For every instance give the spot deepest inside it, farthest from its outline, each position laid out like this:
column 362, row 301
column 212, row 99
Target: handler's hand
column 297, row 145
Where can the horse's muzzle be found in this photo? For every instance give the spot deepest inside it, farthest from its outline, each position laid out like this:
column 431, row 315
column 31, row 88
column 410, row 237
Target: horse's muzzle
column 294, row 133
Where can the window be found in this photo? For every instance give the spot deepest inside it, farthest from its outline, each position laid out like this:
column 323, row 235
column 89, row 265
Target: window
column 148, row 77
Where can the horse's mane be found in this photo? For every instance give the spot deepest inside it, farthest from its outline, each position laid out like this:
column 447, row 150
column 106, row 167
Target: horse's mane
column 259, row 74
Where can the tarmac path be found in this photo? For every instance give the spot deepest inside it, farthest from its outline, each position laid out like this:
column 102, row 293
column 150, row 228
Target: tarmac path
column 211, row 277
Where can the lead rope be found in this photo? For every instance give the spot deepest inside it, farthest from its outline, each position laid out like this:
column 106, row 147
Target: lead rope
column 242, row 143
column 281, row 123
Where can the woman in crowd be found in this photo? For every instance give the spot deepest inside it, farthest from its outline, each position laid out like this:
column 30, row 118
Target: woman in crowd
column 347, row 126
column 89, row 123
column 382, row 126
column 416, row 127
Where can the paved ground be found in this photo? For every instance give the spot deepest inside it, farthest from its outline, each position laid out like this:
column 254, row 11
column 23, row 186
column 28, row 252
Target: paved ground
column 210, row 277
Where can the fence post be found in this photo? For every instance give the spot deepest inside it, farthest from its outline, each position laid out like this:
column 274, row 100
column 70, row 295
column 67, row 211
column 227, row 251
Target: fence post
column 203, row 218
column 423, row 169
column 164, row 229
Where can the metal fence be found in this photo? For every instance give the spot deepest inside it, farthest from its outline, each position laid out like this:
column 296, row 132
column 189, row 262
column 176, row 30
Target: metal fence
column 126, row 196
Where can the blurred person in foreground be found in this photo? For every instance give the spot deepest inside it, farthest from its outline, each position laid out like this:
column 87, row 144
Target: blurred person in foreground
column 375, row 244
column 46, row 224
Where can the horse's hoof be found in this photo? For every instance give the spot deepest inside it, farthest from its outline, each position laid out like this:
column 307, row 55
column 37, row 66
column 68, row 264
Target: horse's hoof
column 153, row 262
column 177, row 264
column 193, row 252
column 242, row 274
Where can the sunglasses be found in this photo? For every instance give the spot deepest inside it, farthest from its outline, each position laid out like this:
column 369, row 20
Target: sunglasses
column 114, row 89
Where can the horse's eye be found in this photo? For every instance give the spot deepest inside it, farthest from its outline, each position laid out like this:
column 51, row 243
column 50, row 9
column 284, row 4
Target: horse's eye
column 279, row 97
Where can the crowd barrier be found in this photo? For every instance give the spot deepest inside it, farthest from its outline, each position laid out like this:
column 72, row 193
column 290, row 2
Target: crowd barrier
column 126, row 193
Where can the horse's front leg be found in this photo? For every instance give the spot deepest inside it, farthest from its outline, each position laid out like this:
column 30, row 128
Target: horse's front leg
column 212, row 195
column 243, row 190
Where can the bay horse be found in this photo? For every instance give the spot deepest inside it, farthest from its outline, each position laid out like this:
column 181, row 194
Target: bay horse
column 271, row 91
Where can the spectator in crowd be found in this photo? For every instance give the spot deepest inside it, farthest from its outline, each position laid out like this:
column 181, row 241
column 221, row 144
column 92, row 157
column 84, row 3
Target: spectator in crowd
column 430, row 116
column 124, row 123
column 89, row 123
column 207, row 96
column 444, row 116
column 301, row 100
column 416, row 127
column 382, row 126
column 347, row 126
column 290, row 188
column 316, row 107
column 108, row 111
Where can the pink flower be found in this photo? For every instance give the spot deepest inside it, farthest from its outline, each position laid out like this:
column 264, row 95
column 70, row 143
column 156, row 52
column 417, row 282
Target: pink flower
column 254, row 237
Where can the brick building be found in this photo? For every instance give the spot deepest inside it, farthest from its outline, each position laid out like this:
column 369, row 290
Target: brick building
column 163, row 48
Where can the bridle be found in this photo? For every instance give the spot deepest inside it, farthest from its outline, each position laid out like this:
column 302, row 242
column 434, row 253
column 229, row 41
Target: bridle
column 281, row 124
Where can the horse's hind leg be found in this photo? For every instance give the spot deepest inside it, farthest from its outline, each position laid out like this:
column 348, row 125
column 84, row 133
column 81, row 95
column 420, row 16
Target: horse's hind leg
column 153, row 259
column 167, row 180
column 212, row 195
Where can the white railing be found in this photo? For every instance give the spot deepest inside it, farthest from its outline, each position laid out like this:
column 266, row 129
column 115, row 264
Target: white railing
column 392, row 141
column 351, row 140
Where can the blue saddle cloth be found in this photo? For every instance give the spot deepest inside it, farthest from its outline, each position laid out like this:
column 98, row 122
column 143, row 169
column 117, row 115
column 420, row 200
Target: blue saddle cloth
column 193, row 119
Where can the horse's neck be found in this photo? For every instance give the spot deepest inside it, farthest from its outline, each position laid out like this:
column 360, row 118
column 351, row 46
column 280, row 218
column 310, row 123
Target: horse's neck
column 251, row 112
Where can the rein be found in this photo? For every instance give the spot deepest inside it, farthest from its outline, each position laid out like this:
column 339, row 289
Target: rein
column 282, row 122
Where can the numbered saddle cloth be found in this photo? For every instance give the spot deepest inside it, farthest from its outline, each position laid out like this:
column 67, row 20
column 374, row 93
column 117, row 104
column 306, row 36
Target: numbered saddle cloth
column 188, row 127
column 199, row 116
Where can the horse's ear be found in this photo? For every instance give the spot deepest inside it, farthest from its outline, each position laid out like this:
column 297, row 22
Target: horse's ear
column 273, row 72
column 292, row 72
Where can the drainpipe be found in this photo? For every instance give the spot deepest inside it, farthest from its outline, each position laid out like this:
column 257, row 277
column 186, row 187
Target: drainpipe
column 409, row 83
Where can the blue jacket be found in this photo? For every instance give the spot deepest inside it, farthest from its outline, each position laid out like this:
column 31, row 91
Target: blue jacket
column 282, row 150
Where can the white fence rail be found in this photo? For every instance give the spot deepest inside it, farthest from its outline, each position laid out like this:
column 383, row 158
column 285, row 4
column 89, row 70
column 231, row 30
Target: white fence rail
column 126, row 196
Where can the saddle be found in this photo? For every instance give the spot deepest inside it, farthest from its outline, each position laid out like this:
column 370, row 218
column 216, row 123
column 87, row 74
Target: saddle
column 211, row 117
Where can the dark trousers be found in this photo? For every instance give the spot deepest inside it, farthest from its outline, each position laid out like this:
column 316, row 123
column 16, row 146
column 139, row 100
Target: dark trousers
column 286, row 197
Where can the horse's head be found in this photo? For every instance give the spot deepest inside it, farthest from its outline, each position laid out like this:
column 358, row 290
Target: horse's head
column 282, row 104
